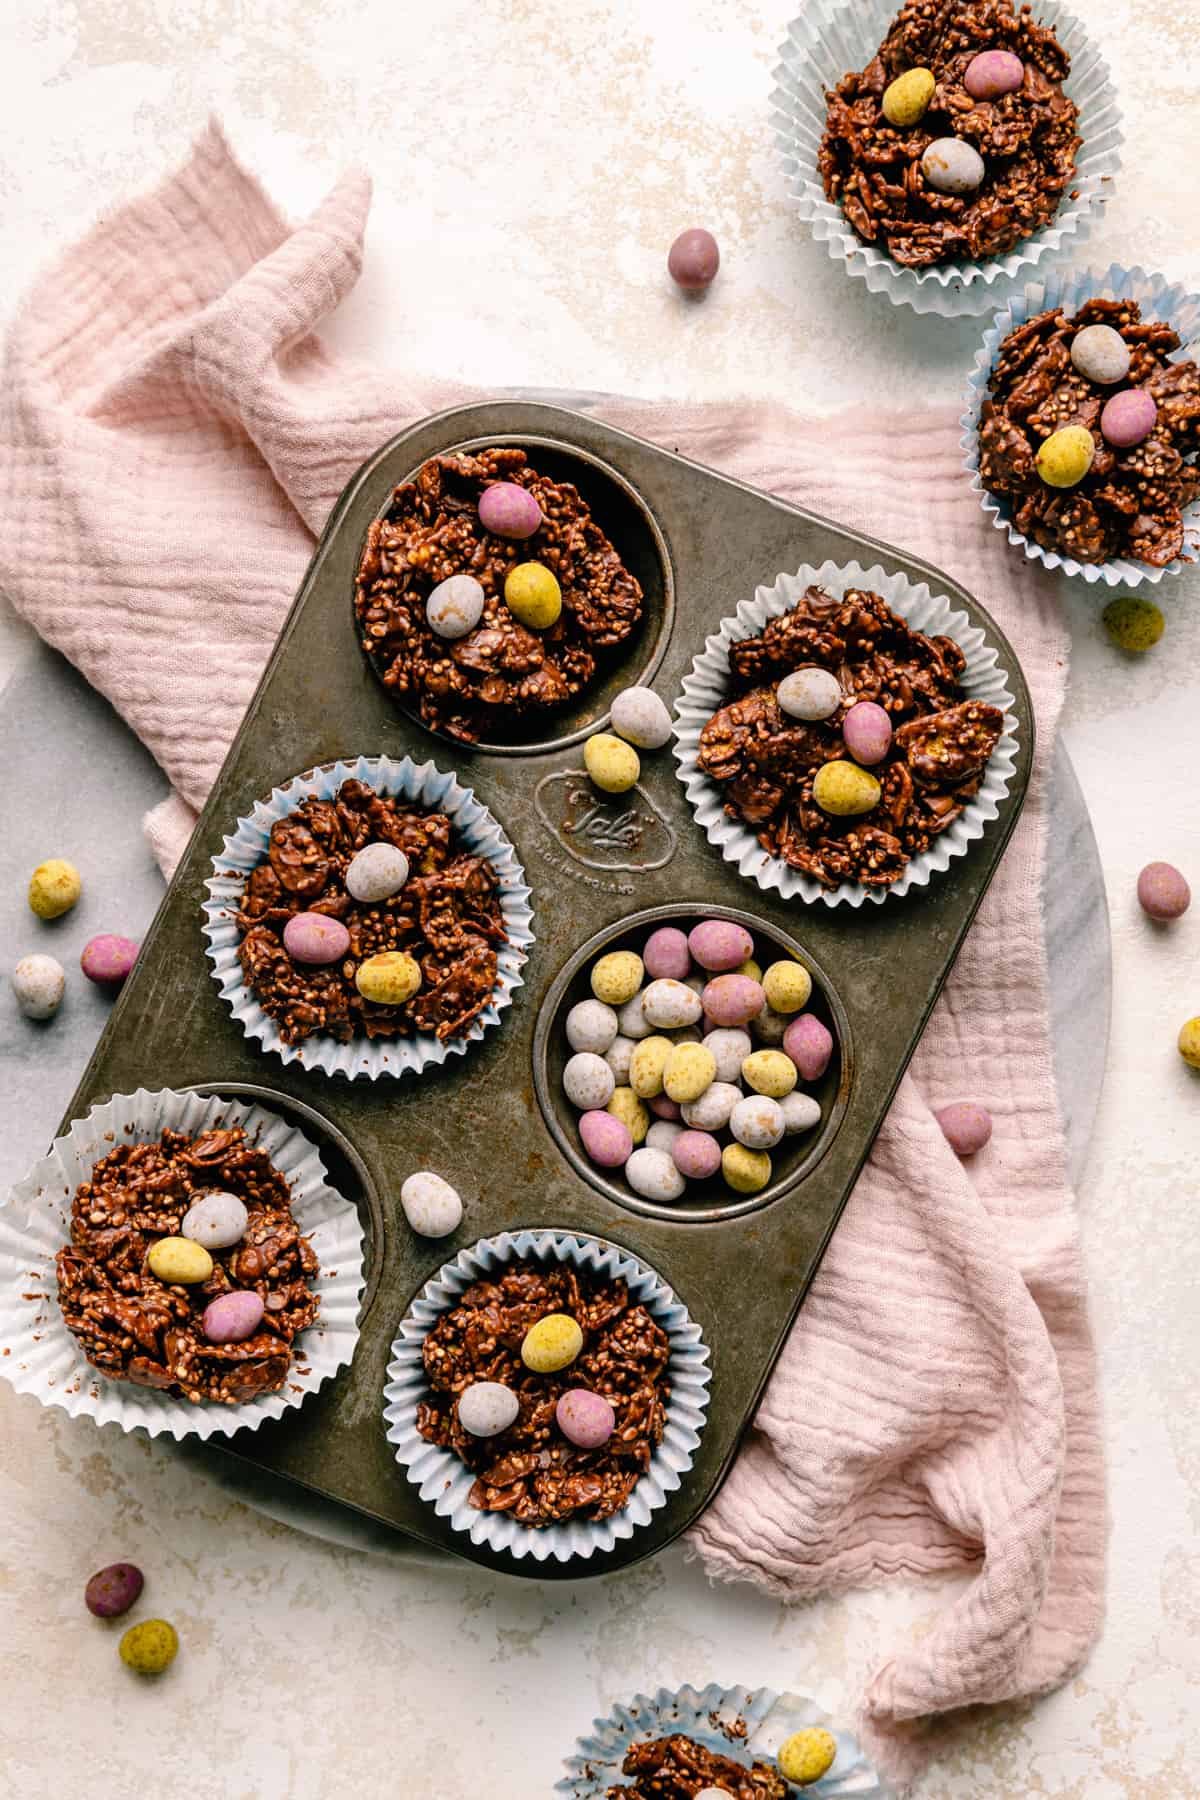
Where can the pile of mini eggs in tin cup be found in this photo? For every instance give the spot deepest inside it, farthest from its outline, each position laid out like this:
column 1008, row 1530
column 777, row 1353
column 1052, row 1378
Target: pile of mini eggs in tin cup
column 690, row 1059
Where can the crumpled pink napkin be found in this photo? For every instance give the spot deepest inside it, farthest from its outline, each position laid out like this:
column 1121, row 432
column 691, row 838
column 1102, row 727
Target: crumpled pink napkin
column 173, row 434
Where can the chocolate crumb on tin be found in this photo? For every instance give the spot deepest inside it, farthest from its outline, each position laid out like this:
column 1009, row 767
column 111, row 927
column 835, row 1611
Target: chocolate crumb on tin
column 478, row 685
column 678, row 1767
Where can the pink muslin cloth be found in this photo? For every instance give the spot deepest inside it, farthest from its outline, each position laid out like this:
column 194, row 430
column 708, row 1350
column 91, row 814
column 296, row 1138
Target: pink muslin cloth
column 174, row 434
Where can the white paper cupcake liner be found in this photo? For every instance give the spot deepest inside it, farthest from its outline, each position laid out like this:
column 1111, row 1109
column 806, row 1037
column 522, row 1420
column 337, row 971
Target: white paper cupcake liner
column 832, row 37
column 706, row 689
column 475, row 830
column 39, row 1356
column 1070, row 290
column 745, row 1724
column 445, row 1482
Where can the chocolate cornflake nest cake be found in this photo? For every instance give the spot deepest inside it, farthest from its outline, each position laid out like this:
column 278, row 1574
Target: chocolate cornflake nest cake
column 134, row 1327
column 1130, row 500
column 1027, row 138
column 532, row 1470
column 480, row 684
column 677, row 1768
column 446, row 916
column 767, row 761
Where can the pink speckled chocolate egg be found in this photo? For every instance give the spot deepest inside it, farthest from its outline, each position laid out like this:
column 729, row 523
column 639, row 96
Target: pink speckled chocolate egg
column 868, row 732
column 314, row 938
column 1128, row 418
column 992, row 73
column 966, row 1126
column 693, row 260
column 720, row 944
column 1163, row 893
column 666, row 954
column 733, row 999
column 231, row 1317
column 697, row 1155
column 664, row 1108
column 585, row 1418
column 606, row 1139
column 810, row 1045
column 509, row 510
column 107, row 959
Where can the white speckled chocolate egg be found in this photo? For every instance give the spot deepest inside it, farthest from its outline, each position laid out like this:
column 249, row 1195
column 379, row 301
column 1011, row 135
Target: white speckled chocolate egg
column 631, row 1019
column 217, row 1220
column 640, row 716
column 455, row 606
column 668, row 1004
column 809, row 694
column 653, row 1175
column 38, row 982
column 662, row 1135
column 730, row 1048
column 1100, row 354
column 432, row 1207
column 712, row 1111
column 800, row 1112
column 952, row 166
column 377, row 873
column 757, row 1122
column 588, row 1082
column 487, row 1408
column 619, row 1056
column 591, row 1025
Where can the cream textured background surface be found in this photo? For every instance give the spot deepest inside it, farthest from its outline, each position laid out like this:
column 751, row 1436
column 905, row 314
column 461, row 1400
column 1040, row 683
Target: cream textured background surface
column 532, row 164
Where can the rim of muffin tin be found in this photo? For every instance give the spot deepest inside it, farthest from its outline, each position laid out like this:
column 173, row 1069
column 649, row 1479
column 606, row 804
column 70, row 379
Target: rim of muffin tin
column 552, row 1018
column 444, row 1482
column 612, row 661
column 478, row 829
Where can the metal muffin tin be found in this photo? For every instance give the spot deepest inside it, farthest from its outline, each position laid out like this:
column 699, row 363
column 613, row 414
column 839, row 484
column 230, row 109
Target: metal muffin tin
column 600, row 868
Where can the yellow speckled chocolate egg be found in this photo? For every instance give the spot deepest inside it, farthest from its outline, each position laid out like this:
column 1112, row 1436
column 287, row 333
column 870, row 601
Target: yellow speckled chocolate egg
column 807, row 1755
column 787, row 986
column 843, row 789
column 626, row 1106
column 1066, row 456
column 646, row 1066
column 388, row 979
column 179, row 1259
column 688, row 1072
column 150, row 1647
column 745, row 1171
column 1189, row 1043
column 750, row 968
column 532, row 594
column 613, row 764
column 617, row 977
column 906, row 100
column 1133, row 624
column 770, row 1072
column 54, row 887
column 552, row 1344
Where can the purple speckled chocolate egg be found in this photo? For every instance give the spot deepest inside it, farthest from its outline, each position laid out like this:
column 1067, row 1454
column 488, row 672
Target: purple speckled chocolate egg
column 696, row 1154
column 113, row 1590
column 314, row 938
column 1163, row 893
column 585, row 1418
column 231, row 1317
column 509, row 510
column 666, row 954
column 107, row 959
column 992, row 73
column 720, row 944
column 868, row 732
column 966, row 1126
column 1128, row 418
column 606, row 1139
column 693, row 260
column 810, row 1045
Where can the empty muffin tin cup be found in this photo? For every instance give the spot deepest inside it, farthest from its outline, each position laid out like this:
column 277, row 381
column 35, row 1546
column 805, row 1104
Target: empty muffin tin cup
column 445, row 1482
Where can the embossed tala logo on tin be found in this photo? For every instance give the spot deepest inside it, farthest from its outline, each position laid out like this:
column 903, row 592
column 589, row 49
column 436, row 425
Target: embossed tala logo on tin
column 625, row 833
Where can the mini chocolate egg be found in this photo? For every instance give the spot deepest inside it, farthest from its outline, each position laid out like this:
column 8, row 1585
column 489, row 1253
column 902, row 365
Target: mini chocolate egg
column 653, row 1175
column 733, row 999
column 108, row 959
column 787, row 985
column 377, row 873
column 113, row 1590
column 231, row 1318
column 612, row 764
column 640, row 716
column 54, row 887
column 843, row 790
column 1100, row 354
column 1133, row 624
column 800, row 1112
column 1065, row 457
column 455, row 606
column 906, row 99
column 585, row 1418
column 730, row 1048
column 1163, row 893
column 665, row 954
column 720, row 945
column 807, row 1755
column 315, row 938
column 696, row 1154
column 150, row 1647
column 868, row 732
column 757, row 1122
column 671, row 1005
column 179, row 1261
column 1128, row 418
column 432, row 1207
column 993, row 73
column 591, row 1025
column 626, row 1107
column 553, row 1342
column 809, row 694
column 616, row 978
column 714, row 1108
column 1189, row 1043
column 966, row 1126
column 712, row 1793
column 509, row 510
column 809, row 1043
column 662, row 1108
column 769, row 1026
column 952, row 166
column 217, row 1220
column 619, row 1057
column 605, row 1139
column 746, row 1171
column 770, row 1072
column 687, row 1072
column 588, row 1082
column 532, row 595
column 693, row 260
column 662, row 1134
column 632, row 1020
column 751, row 968
column 646, row 1066
column 388, row 979
column 487, row 1408
column 39, row 983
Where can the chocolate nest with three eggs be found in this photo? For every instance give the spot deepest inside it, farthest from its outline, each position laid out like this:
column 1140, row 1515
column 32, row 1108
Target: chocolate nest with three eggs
column 936, row 742
column 478, row 684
